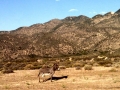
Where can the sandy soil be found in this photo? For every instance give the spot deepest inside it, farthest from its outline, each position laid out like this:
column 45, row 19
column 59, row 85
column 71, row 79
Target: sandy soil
column 97, row 79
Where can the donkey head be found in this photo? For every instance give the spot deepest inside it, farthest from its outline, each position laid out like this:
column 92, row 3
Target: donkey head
column 55, row 66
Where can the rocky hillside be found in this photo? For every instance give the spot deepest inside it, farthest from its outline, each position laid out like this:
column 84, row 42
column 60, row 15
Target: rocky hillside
column 70, row 36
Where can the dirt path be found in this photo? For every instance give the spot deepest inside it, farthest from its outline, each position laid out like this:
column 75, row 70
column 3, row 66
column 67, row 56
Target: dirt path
column 97, row 79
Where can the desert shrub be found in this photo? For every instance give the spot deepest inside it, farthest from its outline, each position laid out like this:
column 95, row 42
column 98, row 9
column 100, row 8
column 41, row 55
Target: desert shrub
column 104, row 62
column 116, row 65
column 90, row 62
column 14, row 65
column 7, row 68
column 113, row 70
column 66, row 63
column 32, row 55
column 108, row 65
column 78, row 68
column 62, row 67
column 28, row 67
column 78, row 65
column 7, row 71
column 88, row 67
column 17, row 66
column 34, row 65
column 96, row 64
column 84, row 52
column 1, row 66
column 7, row 65
column 20, row 66
column 104, row 52
column 116, row 53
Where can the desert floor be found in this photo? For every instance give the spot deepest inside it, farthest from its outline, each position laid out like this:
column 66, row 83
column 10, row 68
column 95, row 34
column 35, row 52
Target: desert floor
column 100, row 78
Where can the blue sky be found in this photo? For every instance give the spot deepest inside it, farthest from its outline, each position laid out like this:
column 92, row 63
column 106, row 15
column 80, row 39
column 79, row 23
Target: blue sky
column 17, row 13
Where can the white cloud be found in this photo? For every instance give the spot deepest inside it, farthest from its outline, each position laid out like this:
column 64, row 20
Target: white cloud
column 57, row 0
column 73, row 10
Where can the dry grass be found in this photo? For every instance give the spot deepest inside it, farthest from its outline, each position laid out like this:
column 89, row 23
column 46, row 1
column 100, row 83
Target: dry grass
column 97, row 79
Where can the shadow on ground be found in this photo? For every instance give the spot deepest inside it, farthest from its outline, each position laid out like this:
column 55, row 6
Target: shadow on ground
column 58, row 78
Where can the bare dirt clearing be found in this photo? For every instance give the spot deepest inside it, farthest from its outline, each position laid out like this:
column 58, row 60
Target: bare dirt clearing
column 97, row 79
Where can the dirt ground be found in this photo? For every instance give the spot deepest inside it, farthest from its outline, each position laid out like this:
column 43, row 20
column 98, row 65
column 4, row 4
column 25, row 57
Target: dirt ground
column 100, row 78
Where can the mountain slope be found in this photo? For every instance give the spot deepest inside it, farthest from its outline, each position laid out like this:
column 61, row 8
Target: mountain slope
column 69, row 36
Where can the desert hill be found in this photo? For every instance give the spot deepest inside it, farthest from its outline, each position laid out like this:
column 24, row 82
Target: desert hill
column 78, row 35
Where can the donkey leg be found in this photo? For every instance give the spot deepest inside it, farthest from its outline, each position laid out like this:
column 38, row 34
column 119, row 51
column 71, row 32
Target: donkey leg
column 39, row 75
column 39, row 78
column 51, row 77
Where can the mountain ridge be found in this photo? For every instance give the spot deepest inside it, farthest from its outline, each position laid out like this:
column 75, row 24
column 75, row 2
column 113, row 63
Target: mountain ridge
column 68, row 36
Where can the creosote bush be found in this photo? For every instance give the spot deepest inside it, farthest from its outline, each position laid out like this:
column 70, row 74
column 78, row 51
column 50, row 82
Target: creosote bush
column 78, row 68
column 80, row 64
column 28, row 67
column 113, row 70
column 67, row 63
column 104, row 62
column 7, row 68
column 116, row 65
column 62, row 67
column 88, row 67
column 7, row 71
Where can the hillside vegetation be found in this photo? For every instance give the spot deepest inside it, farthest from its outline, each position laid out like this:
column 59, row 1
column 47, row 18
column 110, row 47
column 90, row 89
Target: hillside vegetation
column 80, row 37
